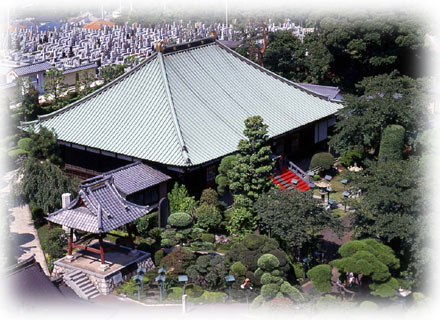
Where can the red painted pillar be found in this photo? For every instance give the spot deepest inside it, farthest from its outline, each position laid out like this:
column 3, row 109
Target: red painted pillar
column 69, row 250
column 101, row 249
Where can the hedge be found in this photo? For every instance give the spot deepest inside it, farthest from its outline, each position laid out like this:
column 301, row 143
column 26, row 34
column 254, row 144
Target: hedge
column 391, row 144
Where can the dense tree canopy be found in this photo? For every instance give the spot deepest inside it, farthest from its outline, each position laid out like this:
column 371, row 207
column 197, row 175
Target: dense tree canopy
column 393, row 209
column 41, row 183
column 344, row 49
column 386, row 100
column 294, row 218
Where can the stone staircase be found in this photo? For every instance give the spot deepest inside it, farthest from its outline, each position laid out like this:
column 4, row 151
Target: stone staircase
column 81, row 284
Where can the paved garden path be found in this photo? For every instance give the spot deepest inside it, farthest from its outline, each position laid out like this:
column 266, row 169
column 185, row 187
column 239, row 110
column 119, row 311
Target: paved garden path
column 26, row 242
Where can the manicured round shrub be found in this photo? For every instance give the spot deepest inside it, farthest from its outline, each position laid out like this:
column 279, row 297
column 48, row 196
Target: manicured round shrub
column 293, row 293
column 281, row 256
column 24, row 144
column 349, row 157
column 268, row 262
column 253, row 241
column 258, row 273
column 196, row 233
column 238, row 269
column 269, row 291
column 180, row 219
column 316, row 177
column 266, row 278
column 321, row 276
column 158, row 256
column 324, row 160
column 142, row 225
column 258, row 301
column 209, row 196
column 208, row 216
column 249, row 259
column 155, row 232
column 203, row 262
column 269, row 245
column 276, row 273
column 208, row 237
column 391, row 144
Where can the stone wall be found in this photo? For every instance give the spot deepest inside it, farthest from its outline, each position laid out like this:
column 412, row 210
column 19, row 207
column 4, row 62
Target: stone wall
column 104, row 284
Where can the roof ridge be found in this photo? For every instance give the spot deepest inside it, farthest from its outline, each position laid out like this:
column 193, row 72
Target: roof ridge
column 184, row 150
column 89, row 96
column 273, row 74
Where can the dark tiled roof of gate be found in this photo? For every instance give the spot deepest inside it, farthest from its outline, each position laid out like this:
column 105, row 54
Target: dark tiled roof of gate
column 99, row 208
column 135, row 177
column 80, row 68
column 32, row 68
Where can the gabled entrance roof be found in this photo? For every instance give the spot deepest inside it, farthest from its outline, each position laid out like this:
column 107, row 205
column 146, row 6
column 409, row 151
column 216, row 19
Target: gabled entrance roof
column 186, row 106
column 98, row 208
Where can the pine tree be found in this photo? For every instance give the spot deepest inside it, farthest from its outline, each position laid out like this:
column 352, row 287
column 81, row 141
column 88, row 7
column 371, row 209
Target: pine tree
column 252, row 167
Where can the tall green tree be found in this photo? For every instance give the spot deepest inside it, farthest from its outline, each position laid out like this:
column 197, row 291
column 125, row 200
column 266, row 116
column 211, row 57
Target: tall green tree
column 43, row 146
column 28, row 96
column 41, row 183
column 86, row 80
column 285, row 55
column 393, row 209
column 54, row 85
column 252, row 167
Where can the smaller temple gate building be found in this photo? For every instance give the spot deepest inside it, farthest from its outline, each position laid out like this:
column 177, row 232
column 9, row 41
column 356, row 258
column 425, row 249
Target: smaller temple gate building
column 98, row 267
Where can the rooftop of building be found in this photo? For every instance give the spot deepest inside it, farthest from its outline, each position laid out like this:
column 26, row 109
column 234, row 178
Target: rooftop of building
column 98, row 208
column 134, row 177
column 185, row 106
column 32, row 68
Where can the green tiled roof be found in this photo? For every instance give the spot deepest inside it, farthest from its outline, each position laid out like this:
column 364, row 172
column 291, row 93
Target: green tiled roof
column 186, row 107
